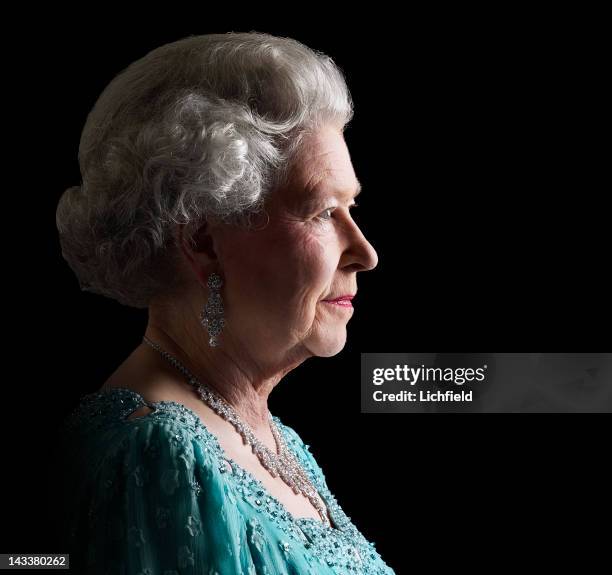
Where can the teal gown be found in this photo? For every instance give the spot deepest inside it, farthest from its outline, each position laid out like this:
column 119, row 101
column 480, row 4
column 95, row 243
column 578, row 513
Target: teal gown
column 156, row 495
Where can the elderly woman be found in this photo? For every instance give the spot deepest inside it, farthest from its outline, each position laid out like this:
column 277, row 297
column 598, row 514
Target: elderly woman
column 217, row 190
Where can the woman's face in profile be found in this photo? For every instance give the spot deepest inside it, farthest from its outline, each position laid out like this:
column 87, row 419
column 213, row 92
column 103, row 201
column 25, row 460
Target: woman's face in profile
column 311, row 250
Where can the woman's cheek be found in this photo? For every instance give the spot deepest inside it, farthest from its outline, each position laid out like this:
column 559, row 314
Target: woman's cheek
column 313, row 257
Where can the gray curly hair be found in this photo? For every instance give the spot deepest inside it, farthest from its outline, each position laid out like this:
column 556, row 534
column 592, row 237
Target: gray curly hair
column 203, row 128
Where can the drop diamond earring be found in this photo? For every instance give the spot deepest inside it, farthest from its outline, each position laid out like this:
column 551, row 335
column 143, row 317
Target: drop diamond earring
column 211, row 316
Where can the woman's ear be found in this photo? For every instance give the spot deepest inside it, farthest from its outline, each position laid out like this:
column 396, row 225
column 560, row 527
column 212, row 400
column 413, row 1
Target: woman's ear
column 199, row 253
column 203, row 241
column 200, row 242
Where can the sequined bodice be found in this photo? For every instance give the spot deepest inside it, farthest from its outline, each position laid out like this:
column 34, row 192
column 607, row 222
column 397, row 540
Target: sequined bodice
column 104, row 439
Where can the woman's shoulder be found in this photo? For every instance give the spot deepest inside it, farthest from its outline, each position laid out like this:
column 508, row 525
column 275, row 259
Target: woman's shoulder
column 102, row 407
column 125, row 408
column 101, row 427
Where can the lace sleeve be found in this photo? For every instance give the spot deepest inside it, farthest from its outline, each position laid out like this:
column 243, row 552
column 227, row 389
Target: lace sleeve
column 155, row 504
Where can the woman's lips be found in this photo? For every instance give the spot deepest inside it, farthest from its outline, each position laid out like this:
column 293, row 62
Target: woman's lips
column 341, row 301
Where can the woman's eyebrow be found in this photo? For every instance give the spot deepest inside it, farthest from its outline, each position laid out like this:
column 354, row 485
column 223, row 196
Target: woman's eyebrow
column 352, row 193
column 319, row 194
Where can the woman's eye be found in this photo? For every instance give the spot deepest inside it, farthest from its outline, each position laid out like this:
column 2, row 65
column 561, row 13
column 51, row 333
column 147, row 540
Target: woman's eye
column 322, row 214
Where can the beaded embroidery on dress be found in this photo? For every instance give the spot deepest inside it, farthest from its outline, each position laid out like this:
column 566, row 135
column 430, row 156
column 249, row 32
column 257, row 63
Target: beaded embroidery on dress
column 157, row 494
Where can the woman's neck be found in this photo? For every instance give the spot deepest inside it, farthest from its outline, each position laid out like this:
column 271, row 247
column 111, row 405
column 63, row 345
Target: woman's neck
column 246, row 394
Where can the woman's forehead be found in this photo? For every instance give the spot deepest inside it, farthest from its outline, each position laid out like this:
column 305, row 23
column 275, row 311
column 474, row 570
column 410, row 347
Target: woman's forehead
column 325, row 167
column 323, row 150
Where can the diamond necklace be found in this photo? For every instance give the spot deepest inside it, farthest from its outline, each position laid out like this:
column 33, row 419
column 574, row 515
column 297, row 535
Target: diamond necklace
column 283, row 463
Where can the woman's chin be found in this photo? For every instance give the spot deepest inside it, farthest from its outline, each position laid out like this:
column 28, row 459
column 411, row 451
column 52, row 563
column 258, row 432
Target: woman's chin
column 330, row 344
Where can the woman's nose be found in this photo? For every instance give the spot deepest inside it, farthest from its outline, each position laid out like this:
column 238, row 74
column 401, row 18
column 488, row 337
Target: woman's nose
column 362, row 253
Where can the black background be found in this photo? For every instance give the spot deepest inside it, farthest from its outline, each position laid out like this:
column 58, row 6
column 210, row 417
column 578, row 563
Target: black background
column 479, row 140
